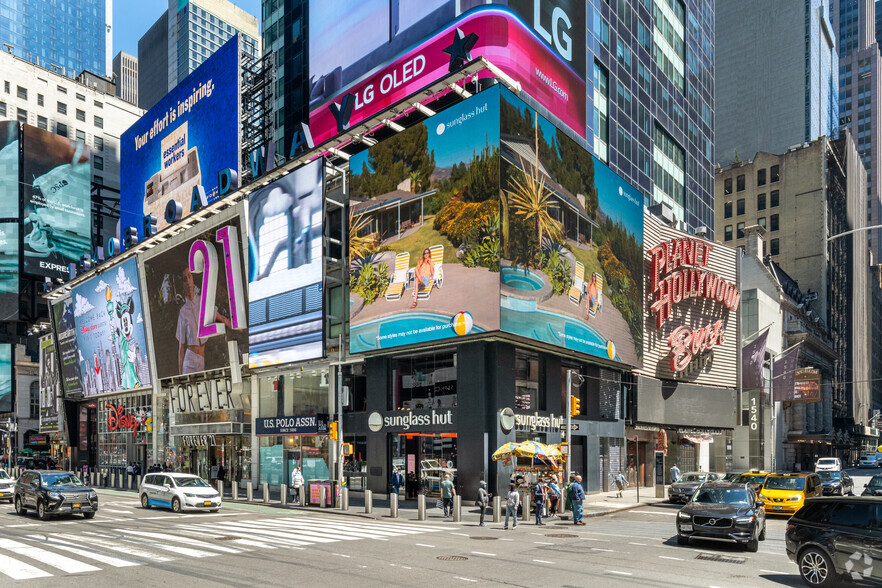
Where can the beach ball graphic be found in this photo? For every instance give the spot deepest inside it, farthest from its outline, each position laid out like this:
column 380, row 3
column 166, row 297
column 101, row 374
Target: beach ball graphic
column 611, row 349
column 439, row 129
column 462, row 323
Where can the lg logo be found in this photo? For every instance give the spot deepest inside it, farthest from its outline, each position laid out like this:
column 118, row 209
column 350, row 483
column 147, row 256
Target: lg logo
column 561, row 25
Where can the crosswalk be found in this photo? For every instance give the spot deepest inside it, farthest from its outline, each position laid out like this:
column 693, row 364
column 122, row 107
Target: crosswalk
column 31, row 554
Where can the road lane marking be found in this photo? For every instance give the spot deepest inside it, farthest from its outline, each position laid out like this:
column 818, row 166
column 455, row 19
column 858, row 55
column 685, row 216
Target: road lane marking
column 542, row 543
column 62, row 562
column 176, row 539
column 619, row 573
column 543, row 561
column 482, row 553
column 632, row 543
column 599, row 549
column 127, row 550
column 20, row 571
column 651, row 512
column 423, row 545
column 774, row 572
column 464, row 579
column 460, row 534
column 340, row 555
column 82, row 551
column 674, row 558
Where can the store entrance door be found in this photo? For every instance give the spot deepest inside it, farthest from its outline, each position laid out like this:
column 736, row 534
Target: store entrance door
column 424, row 458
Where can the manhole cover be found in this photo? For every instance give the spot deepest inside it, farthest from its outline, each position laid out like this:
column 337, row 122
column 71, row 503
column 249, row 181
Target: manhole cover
column 484, row 538
column 733, row 559
column 562, row 535
column 452, row 557
column 226, row 538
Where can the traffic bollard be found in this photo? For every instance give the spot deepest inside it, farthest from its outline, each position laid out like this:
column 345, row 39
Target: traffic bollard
column 421, row 507
column 113, row 479
column 138, row 480
column 284, row 494
column 457, row 508
column 525, row 506
column 345, row 504
column 368, row 501
column 249, row 491
column 220, row 488
column 266, row 492
column 235, row 491
column 497, row 509
column 301, row 496
column 323, row 496
column 393, row 505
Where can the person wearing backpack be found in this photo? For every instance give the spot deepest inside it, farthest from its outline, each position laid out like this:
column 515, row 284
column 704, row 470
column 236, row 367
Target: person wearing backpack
column 554, row 497
column 512, row 501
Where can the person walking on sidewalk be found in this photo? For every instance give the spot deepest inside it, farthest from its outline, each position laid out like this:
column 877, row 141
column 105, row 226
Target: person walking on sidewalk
column 675, row 473
column 577, row 494
column 568, row 505
column 447, row 494
column 296, row 484
column 130, row 470
column 512, row 502
column 554, row 497
column 620, row 483
column 539, row 496
column 483, row 500
column 396, row 481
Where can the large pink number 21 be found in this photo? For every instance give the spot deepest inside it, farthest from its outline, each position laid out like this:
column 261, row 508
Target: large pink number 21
column 203, row 259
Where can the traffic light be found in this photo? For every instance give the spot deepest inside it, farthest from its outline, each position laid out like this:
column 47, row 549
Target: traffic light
column 347, row 449
column 575, row 405
column 334, row 430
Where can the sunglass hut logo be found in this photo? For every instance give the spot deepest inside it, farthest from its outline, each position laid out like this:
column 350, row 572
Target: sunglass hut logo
column 461, row 119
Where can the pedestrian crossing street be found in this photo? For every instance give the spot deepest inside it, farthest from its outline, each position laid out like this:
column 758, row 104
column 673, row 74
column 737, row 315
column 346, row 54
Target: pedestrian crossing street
column 81, row 547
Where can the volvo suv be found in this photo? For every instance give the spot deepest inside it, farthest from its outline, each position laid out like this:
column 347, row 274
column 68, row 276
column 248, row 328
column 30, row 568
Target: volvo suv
column 53, row 493
column 723, row 511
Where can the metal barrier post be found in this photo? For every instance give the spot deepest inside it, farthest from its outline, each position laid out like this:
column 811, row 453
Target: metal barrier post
column 266, row 492
column 345, row 504
column 323, row 496
column 138, row 483
column 368, row 501
column 525, row 506
column 249, row 491
column 421, row 507
column 301, row 495
column 113, row 479
column 235, row 491
column 497, row 509
column 220, row 488
column 393, row 505
column 284, row 494
column 457, row 508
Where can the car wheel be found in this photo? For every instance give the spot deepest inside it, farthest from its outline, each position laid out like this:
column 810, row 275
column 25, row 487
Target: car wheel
column 816, row 568
column 88, row 515
column 176, row 505
column 19, row 507
column 41, row 511
column 752, row 546
column 145, row 502
column 762, row 535
column 682, row 540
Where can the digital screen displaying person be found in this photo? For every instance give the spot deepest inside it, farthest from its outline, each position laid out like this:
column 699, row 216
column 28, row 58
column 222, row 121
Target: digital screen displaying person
column 191, row 348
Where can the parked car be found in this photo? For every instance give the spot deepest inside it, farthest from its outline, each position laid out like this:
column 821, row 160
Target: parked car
column 836, row 483
column 178, row 492
column 755, row 478
column 873, row 487
column 786, row 493
column 868, row 461
column 682, row 489
column 730, row 477
column 53, row 493
column 7, row 486
column 828, row 464
column 832, row 540
column 723, row 511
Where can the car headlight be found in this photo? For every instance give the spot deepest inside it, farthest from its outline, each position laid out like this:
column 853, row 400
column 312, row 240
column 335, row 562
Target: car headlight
column 188, row 495
column 743, row 520
column 54, row 495
column 683, row 516
column 835, row 484
column 796, row 498
column 93, row 495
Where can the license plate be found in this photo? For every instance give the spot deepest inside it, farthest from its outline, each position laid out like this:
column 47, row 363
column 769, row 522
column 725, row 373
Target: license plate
column 686, row 527
column 777, row 507
column 2, row 495
column 77, row 505
column 207, row 503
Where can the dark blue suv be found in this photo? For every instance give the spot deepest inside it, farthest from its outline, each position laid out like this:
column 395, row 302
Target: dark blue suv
column 53, row 493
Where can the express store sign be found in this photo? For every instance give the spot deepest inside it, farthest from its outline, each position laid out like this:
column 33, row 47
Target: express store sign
column 680, row 272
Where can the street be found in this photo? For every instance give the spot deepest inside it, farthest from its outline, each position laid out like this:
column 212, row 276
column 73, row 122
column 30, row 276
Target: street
column 248, row 544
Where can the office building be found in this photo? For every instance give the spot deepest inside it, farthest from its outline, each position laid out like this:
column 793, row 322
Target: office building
column 68, row 36
column 125, row 75
column 183, row 37
column 801, row 198
column 649, row 75
column 776, row 66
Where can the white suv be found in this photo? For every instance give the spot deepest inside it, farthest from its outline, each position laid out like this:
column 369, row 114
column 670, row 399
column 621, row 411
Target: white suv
column 7, row 486
column 828, row 464
column 178, row 492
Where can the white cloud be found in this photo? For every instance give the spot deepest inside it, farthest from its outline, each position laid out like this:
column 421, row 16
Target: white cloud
column 102, row 286
column 140, row 319
column 81, row 354
column 123, row 284
column 82, row 306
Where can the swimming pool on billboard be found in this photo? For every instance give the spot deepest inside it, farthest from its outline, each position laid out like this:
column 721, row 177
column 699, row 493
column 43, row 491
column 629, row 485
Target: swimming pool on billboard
column 555, row 329
column 410, row 328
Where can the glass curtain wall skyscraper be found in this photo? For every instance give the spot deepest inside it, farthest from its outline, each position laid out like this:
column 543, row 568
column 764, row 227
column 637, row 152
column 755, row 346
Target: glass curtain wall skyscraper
column 68, row 36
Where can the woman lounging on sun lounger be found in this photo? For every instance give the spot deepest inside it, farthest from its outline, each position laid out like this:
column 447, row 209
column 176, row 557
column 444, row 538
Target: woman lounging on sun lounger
column 423, row 274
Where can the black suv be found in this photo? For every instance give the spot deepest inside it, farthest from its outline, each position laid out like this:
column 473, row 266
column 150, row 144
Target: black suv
column 53, row 493
column 723, row 511
column 835, row 538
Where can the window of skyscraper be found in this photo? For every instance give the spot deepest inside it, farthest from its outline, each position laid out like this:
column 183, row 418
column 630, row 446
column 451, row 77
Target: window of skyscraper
column 42, row 123
column 81, row 135
column 761, row 177
column 99, row 143
column 670, row 49
column 99, row 122
column 739, row 209
column 6, row 87
column 22, row 116
column 601, row 113
column 773, row 222
column 728, row 232
column 98, row 162
column 773, row 198
column 761, row 221
column 670, row 161
column 739, row 183
column 739, row 232
column 775, row 175
column 62, row 108
column 727, row 186
column 760, row 201
column 61, row 129
column 81, row 98
column 61, row 89
column 727, row 210
column 22, row 93
column 81, row 115
column 99, row 104
column 774, row 247
column 39, row 100
column 2, row 109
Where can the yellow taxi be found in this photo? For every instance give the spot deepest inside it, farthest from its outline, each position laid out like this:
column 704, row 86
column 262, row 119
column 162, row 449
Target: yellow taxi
column 756, row 478
column 786, row 493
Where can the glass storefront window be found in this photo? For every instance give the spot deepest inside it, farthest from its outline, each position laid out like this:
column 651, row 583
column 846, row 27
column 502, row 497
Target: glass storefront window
column 527, row 380
column 424, row 458
column 425, row 381
column 123, row 435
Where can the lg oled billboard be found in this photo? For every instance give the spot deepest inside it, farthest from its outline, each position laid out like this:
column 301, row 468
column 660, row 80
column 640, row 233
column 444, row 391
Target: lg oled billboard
column 196, row 296
column 183, row 142
column 286, row 268
column 487, row 217
column 366, row 56
column 111, row 340
column 57, row 202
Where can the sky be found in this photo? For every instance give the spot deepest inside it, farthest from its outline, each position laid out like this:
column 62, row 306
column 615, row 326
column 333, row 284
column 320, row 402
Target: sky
column 132, row 18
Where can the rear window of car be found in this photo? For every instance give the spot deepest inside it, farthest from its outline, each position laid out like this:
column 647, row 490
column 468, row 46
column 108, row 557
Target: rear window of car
column 778, row 483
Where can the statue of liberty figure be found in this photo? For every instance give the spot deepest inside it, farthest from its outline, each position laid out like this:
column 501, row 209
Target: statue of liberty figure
column 122, row 338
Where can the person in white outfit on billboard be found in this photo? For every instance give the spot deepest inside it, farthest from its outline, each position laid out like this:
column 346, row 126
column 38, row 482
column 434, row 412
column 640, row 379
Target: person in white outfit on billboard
column 191, row 348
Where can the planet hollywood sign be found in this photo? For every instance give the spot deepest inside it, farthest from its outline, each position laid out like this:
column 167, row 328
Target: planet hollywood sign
column 679, row 273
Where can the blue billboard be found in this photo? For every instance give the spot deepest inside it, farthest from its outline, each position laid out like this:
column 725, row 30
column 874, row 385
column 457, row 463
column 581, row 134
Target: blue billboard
column 111, row 342
column 183, row 142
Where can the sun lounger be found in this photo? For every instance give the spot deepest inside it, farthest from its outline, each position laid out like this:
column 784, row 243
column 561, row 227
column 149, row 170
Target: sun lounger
column 437, row 252
column 578, row 287
column 399, row 277
column 598, row 304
